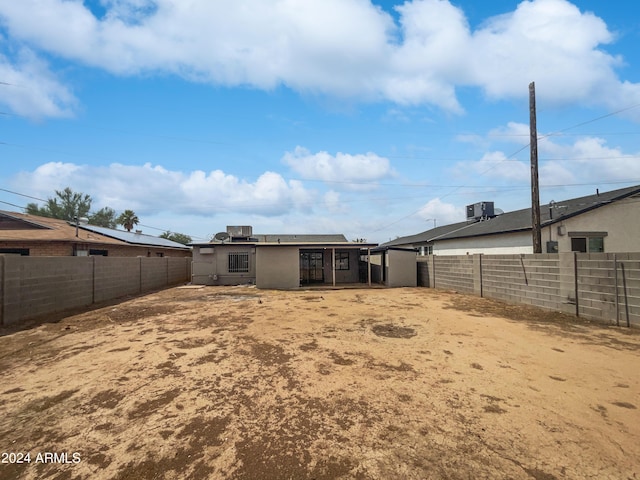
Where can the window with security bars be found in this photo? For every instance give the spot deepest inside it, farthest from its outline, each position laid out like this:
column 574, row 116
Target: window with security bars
column 239, row 262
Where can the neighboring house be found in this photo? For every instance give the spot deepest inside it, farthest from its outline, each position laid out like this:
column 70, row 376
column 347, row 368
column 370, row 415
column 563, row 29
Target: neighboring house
column 279, row 261
column 603, row 222
column 22, row 234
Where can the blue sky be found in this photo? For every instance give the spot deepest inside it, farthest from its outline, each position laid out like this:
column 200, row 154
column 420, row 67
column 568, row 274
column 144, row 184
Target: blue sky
column 375, row 119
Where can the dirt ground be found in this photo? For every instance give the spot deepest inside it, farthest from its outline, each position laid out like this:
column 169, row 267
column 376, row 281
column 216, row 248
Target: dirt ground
column 240, row 383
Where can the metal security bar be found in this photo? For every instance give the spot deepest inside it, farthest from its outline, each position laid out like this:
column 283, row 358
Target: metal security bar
column 239, row 262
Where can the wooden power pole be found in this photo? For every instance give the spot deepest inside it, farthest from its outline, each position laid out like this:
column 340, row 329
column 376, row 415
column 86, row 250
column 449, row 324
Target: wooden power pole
column 535, row 191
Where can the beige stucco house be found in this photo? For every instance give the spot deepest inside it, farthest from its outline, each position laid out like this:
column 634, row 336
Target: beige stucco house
column 280, row 261
column 603, row 222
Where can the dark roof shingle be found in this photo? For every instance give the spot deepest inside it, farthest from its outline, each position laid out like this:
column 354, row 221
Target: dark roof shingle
column 519, row 220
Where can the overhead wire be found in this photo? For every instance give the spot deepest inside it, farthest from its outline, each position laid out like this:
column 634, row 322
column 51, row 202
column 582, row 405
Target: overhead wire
column 375, row 182
column 251, row 206
column 92, row 212
column 515, row 153
column 13, row 205
column 444, row 196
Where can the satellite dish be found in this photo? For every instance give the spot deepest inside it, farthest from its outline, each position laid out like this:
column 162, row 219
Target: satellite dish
column 221, row 236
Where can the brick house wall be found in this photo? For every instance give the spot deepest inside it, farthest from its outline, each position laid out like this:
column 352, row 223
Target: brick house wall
column 54, row 248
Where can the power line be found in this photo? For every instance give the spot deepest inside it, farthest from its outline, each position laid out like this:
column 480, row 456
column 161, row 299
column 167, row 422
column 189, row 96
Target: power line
column 514, row 154
column 13, row 205
column 93, row 212
column 23, row 195
column 591, row 121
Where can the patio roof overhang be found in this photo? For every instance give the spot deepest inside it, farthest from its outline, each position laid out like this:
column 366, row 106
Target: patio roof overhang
column 342, row 245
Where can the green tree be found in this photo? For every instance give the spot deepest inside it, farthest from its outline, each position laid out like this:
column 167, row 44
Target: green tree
column 66, row 205
column 105, row 217
column 176, row 237
column 35, row 209
column 128, row 219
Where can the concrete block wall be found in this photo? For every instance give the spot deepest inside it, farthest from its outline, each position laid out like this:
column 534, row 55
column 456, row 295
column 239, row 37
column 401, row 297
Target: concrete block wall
column 153, row 273
column 179, row 269
column 609, row 286
column 630, row 296
column 603, row 287
column 453, row 272
column 116, row 277
column 528, row 279
column 37, row 286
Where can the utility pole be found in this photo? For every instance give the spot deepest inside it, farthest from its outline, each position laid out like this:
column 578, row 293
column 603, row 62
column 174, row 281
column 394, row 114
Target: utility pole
column 535, row 191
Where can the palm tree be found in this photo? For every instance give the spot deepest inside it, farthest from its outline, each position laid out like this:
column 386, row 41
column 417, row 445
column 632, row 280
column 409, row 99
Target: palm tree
column 128, row 219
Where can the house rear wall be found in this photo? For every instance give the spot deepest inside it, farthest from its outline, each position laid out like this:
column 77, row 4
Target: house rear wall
column 278, row 267
column 213, row 268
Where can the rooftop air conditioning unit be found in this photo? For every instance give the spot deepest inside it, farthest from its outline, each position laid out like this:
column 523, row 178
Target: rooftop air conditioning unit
column 240, row 231
column 480, row 210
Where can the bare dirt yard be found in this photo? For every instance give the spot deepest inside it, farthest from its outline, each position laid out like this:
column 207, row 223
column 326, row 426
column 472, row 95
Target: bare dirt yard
column 239, row 383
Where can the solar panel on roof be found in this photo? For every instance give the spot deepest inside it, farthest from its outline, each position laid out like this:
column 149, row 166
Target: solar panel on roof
column 133, row 237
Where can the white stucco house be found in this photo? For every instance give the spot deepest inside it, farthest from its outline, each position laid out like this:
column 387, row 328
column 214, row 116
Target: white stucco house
column 602, row 222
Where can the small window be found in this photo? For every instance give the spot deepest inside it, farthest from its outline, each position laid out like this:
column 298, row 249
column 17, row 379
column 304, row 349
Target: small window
column 342, row 260
column 159, row 254
column 579, row 245
column 15, row 251
column 587, row 244
column 239, row 262
column 596, row 244
column 94, row 252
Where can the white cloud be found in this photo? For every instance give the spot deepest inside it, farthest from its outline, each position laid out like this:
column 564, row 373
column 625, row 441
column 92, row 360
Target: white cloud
column 49, row 177
column 360, row 171
column 342, row 48
column 333, row 203
column 591, row 159
column 270, row 194
column 586, row 160
column 443, row 213
column 514, row 132
column 495, row 166
column 425, row 66
column 149, row 189
column 30, row 89
column 549, row 41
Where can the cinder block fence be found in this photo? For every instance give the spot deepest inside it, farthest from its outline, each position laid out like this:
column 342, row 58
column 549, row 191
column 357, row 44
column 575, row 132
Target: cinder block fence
column 601, row 286
column 597, row 286
column 36, row 286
